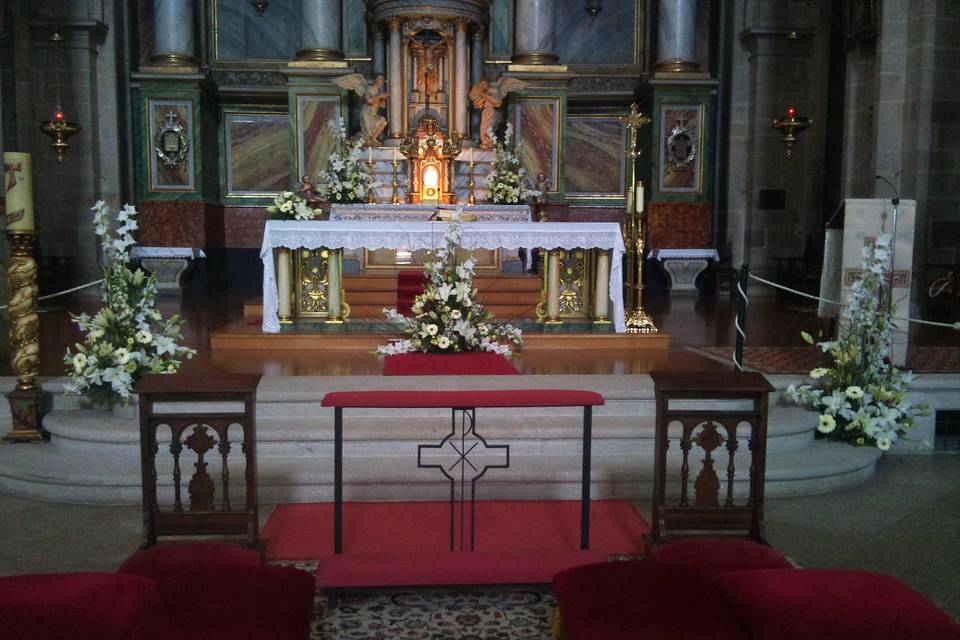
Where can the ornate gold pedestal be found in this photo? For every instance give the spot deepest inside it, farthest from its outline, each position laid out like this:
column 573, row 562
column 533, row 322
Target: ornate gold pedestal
column 25, row 400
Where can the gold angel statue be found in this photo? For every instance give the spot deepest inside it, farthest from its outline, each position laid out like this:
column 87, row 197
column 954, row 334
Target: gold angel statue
column 488, row 97
column 374, row 97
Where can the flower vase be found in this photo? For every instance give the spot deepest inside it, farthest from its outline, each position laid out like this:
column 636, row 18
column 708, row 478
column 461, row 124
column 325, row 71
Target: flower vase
column 128, row 411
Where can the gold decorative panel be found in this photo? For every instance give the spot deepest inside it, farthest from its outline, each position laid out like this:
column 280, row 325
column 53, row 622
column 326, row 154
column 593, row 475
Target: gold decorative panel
column 312, row 283
column 575, row 270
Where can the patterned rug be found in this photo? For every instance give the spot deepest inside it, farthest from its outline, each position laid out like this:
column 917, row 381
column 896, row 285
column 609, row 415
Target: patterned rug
column 803, row 359
column 433, row 614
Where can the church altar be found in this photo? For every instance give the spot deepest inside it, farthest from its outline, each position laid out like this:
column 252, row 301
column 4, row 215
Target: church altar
column 338, row 235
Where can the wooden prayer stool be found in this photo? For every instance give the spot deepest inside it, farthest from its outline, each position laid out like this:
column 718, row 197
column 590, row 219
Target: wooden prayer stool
column 202, row 515
column 710, row 428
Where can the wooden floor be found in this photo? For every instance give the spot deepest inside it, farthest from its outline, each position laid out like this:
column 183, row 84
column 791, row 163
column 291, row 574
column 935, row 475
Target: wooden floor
column 691, row 321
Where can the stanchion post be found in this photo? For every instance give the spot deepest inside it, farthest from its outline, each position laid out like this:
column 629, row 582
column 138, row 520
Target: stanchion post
column 741, row 322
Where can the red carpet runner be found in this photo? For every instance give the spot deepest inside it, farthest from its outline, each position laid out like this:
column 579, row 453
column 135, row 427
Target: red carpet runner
column 407, row 543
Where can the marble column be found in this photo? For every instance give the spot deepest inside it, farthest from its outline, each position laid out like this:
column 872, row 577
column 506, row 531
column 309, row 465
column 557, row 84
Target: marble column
column 460, row 77
column 553, row 287
column 395, row 79
column 321, row 30
column 334, row 286
column 175, row 40
column 533, row 32
column 379, row 52
column 285, row 285
column 476, row 72
column 601, row 302
column 676, row 36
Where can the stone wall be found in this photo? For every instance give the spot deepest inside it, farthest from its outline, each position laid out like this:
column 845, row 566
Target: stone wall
column 780, row 58
column 83, row 68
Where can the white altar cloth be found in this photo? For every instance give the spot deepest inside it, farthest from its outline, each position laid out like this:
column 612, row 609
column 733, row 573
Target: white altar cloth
column 335, row 234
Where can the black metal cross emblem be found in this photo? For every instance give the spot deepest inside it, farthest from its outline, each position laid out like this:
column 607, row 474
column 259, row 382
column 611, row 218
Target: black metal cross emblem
column 456, row 456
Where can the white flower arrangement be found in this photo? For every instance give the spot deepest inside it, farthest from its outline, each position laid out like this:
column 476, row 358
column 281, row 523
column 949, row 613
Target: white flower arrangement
column 127, row 337
column 290, row 206
column 347, row 178
column 507, row 182
column 861, row 396
column 447, row 318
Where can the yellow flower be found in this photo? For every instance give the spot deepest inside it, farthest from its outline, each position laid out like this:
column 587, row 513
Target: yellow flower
column 827, row 424
column 854, row 392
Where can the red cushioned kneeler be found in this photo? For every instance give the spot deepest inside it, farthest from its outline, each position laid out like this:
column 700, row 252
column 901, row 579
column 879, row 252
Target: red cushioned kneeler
column 710, row 556
column 164, row 561
column 831, row 604
column 410, row 284
column 226, row 603
column 78, row 606
column 637, row 600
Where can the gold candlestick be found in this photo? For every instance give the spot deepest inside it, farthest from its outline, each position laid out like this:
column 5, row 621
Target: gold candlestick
column 638, row 320
column 370, row 197
column 25, row 405
column 472, row 198
column 395, row 184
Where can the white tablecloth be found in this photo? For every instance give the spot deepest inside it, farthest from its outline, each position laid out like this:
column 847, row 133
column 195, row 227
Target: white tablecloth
column 684, row 254
column 412, row 236
column 167, row 252
column 411, row 212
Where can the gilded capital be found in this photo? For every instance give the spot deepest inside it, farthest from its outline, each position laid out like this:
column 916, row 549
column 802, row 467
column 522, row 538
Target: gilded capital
column 394, row 22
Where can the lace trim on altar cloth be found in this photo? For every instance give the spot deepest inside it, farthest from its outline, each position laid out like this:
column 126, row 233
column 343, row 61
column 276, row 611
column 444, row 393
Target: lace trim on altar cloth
column 424, row 213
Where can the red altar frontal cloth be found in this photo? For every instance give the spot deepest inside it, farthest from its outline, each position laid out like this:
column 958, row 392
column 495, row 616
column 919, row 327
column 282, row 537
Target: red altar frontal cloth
column 448, row 364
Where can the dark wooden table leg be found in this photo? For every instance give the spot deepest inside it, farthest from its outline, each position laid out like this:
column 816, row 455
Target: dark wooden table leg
column 585, row 480
column 337, row 480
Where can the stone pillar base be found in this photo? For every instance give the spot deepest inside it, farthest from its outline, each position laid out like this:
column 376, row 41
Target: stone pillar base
column 319, row 55
column 174, row 60
column 26, row 410
column 676, row 65
column 168, row 272
column 683, row 273
column 536, row 58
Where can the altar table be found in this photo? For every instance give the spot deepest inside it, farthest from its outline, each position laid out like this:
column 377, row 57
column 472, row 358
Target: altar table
column 337, row 235
column 466, row 402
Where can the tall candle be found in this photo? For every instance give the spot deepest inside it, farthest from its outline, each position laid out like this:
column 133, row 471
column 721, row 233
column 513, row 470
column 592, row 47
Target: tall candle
column 369, row 155
column 18, row 186
column 629, row 199
column 639, row 198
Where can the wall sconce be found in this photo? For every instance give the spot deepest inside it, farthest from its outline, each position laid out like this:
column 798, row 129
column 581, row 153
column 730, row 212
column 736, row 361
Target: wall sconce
column 789, row 126
column 594, row 7
column 260, row 6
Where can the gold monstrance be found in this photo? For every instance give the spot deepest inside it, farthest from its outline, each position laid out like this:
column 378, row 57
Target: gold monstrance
column 638, row 320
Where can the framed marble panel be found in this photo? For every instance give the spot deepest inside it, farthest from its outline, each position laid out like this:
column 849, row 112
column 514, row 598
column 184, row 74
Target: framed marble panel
column 537, row 130
column 239, row 34
column 256, row 152
column 681, row 148
column 315, row 141
column 500, row 31
column 593, row 157
column 170, row 145
column 613, row 38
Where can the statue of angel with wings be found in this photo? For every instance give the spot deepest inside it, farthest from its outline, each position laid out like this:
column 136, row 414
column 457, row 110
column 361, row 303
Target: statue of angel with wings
column 488, row 97
column 375, row 98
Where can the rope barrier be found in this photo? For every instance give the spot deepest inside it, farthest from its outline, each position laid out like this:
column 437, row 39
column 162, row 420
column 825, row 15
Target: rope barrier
column 930, row 323
column 741, row 331
column 62, row 293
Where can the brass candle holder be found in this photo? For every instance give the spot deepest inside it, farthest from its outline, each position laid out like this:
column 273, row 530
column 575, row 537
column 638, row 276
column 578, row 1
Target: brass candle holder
column 395, row 184
column 472, row 198
column 637, row 320
column 59, row 131
column 25, row 399
column 371, row 199
column 789, row 126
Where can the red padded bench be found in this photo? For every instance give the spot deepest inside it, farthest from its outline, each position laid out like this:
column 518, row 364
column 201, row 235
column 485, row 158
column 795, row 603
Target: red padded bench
column 460, row 401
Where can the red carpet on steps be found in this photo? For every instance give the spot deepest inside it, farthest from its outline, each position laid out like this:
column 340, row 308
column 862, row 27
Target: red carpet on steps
column 448, row 364
column 407, row 543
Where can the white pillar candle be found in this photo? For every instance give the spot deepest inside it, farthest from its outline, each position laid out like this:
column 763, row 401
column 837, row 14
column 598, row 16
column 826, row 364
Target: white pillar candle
column 18, row 184
column 553, row 286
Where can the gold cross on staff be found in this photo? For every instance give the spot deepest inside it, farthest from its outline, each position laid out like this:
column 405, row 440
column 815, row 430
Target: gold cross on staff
column 634, row 120
column 12, row 170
